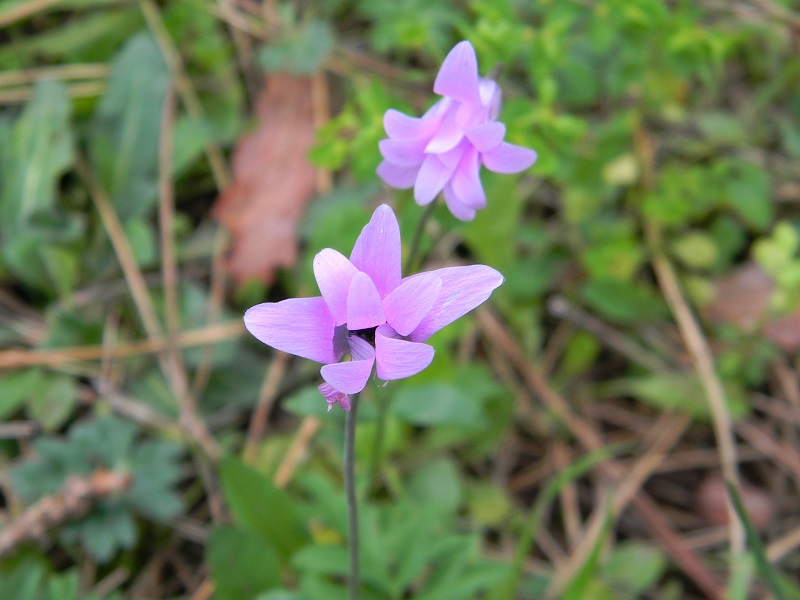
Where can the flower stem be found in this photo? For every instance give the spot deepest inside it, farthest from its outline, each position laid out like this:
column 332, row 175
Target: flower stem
column 377, row 445
column 412, row 253
column 350, row 488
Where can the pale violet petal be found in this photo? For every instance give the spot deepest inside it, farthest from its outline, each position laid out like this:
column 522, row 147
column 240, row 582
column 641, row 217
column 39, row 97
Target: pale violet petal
column 398, row 177
column 403, row 127
column 359, row 348
column 508, row 158
column 460, row 211
column 364, row 309
column 463, row 289
column 377, row 250
column 471, row 115
column 466, row 181
column 397, row 358
column 486, row 137
column 334, row 272
column 447, row 135
column 348, row 377
column 432, row 177
column 408, row 304
column 404, row 153
column 491, row 96
column 300, row 326
column 458, row 77
column 334, row 396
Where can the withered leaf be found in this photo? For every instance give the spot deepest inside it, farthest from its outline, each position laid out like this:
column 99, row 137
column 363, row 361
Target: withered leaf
column 272, row 181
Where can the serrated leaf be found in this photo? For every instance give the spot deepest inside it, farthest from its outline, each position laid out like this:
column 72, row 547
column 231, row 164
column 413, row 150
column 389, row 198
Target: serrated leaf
column 126, row 129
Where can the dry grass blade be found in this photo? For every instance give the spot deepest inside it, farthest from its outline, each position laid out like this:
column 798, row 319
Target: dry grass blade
column 704, row 365
column 662, row 529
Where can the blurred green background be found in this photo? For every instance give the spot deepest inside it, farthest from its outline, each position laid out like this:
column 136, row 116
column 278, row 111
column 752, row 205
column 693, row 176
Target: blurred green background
column 166, row 165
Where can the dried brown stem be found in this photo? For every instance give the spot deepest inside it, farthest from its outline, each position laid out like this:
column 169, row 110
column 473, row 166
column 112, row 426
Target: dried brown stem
column 72, row 502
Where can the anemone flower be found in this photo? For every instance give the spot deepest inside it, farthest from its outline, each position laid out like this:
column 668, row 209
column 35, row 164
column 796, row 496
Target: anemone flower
column 368, row 316
column 445, row 148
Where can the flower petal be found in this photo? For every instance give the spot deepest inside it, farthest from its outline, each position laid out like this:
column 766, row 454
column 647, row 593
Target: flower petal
column 334, row 396
column 463, row 288
column 432, row 177
column 404, row 153
column 447, row 135
column 398, row 177
column 458, row 77
column 334, row 272
column 398, row 358
column 300, row 326
column 508, row 158
column 349, row 377
column 466, row 181
column 460, row 211
column 403, row 127
column 408, row 304
column 377, row 250
column 486, row 137
column 364, row 309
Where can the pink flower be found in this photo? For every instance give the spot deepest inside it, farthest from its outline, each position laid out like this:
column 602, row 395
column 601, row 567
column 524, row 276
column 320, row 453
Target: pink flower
column 369, row 313
column 445, row 148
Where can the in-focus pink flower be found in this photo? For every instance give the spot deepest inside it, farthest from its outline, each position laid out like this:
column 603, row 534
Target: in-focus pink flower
column 445, row 148
column 368, row 313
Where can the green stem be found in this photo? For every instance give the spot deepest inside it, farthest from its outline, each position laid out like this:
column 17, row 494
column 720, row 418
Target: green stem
column 377, row 445
column 350, row 488
column 412, row 253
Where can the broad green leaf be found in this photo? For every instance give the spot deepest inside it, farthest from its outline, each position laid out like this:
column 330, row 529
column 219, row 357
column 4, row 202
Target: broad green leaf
column 678, row 391
column 126, row 129
column 39, row 152
column 242, row 564
column 437, row 482
column 624, row 301
column 261, row 507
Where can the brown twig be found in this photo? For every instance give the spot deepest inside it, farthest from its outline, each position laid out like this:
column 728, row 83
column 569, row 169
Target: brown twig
column 704, row 365
column 54, row 357
column 266, row 398
column 72, row 502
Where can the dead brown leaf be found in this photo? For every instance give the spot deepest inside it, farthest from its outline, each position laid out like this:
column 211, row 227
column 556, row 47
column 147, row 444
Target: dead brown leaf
column 272, row 181
column 742, row 300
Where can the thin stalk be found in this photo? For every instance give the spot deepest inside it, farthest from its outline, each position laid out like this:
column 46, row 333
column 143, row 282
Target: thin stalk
column 350, row 489
column 377, row 445
column 412, row 253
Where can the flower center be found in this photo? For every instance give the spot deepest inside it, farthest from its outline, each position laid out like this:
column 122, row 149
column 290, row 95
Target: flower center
column 368, row 335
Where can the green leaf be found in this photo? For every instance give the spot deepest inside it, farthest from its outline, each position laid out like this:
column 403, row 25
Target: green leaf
column 126, row 129
column 242, row 564
column 438, row 482
column 17, row 387
column 624, row 301
column 774, row 581
column 633, row 567
column 436, row 404
column 678, row 391
column 40, row 151
column 52, row 403
column 259, row 506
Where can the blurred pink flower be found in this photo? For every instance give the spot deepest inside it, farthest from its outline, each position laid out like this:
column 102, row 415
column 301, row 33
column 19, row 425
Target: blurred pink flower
column 369, row 313
column 445, row 148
